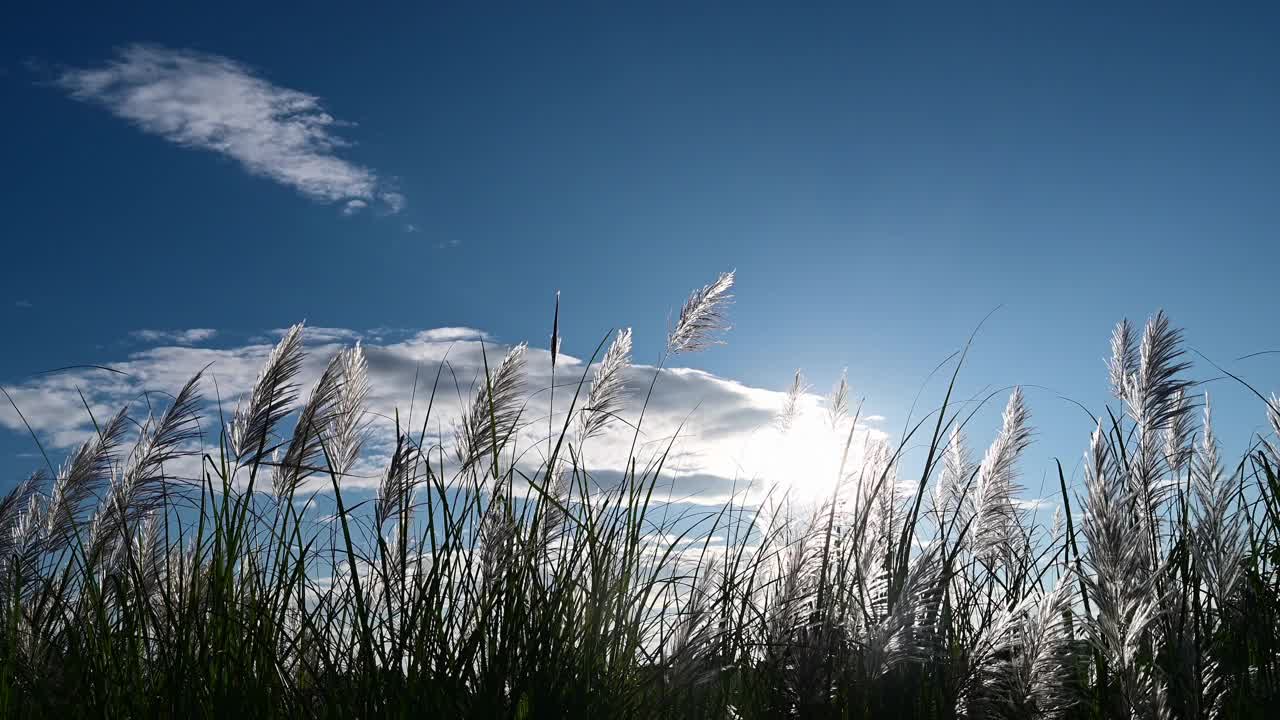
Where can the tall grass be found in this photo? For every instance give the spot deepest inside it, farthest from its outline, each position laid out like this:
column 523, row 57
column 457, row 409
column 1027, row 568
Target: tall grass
column 478, row 583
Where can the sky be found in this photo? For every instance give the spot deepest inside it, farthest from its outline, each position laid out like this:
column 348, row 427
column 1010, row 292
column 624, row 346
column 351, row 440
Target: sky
column 182, row 181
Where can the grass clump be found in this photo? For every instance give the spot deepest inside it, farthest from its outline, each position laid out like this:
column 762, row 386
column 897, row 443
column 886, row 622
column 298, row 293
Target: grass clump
column 477, row 583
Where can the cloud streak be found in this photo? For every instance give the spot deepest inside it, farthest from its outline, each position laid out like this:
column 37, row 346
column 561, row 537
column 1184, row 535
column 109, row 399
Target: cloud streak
column 210, row 102
column 175, row 337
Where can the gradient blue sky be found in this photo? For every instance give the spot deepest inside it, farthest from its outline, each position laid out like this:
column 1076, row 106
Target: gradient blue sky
column 880, row 176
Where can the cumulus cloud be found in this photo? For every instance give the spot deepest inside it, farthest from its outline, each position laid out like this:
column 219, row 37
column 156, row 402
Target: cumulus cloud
column 214, row 103
column 713, row 435
column 176, row 337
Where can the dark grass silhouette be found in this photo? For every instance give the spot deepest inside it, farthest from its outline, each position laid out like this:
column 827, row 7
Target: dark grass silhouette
column 478, row 583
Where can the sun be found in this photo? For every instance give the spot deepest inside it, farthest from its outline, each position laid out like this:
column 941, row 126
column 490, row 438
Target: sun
column 803, row 461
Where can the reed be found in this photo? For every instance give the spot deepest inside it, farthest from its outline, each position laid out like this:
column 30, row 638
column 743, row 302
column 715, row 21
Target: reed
column 482, row 580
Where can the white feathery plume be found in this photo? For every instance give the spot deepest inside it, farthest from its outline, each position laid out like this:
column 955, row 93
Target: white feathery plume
column 1218, row 550
column 608, row 388
column 1220, row 545
column 15, row 501
column 1273, row 419
column 875, row 500
column 395, row 502
column 485, row 428
column 1057, row 526
column 1154, row 403
column 26, row 537
column 987, row 662
column 957, row 467
column 995, row 517
column 21, row 515
column 495, row 537
column 796, row 578
column 80, row 480
column 786, row 417
column 271, row 399
column 838, row 401
column 692, row 630
column 395, row 493
column 1040, row 678
column 143, row 485
column 1177, row 437
column 702, row 317
column 346, row 431
column 150, row 550
column 901, row 633
column 305, row 453
column 491, row 420
column 553, row 519
column 1124, row 358
column 870, row 524
column 1124, row 596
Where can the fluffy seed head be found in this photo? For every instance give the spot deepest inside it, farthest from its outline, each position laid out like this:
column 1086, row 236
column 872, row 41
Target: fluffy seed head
column 703, row 317
column 608, row 388
column 269, row 402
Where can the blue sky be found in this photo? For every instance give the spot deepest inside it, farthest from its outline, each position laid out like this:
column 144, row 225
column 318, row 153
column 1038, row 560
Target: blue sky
column 881, row 178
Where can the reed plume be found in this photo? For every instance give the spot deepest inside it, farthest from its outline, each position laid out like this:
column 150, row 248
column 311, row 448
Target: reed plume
column 702, row 318
column 80, row 480
column 20, row 511
column 1122, row 585
column 1040, row 682
column 270, row 401
column 994, row 519
column 495, row 410
column 1124, row 358
column 608, row 388
column 346, row 429
column 395, row 492
column 838, row 401
column 1220, row 545
column 786, row 417
column 143, row 486
column 949, row 491
column 304, row 455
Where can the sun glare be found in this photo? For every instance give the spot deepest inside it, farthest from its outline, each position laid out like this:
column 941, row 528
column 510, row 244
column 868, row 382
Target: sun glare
column 803, row 461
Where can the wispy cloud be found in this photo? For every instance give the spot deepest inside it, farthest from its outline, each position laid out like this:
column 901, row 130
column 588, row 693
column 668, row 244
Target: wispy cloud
column 174, row 337
column 214, row 103
column 24, row 304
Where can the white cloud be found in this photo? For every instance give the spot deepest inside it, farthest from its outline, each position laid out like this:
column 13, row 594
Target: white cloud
column 354, row 206
column 214, row 103
column 449, row 334
column 394, row 200
column 176, row 337
column 719, row 432
column 320, row 335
